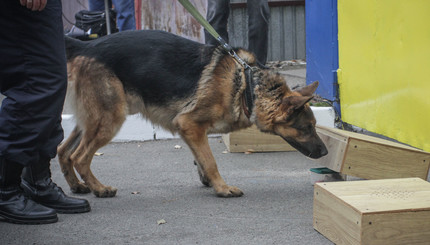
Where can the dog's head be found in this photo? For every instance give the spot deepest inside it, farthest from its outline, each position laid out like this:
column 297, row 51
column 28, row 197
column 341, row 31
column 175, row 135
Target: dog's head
column 286, row 113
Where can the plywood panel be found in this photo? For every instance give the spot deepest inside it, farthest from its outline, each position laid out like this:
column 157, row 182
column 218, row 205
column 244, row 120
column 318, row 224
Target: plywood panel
column 390, row 211
column 388, row 195
column 372, row 160
column 397, row 228
column 251, row 139
column 336, row 145
column 371, row 157
column 335, row 220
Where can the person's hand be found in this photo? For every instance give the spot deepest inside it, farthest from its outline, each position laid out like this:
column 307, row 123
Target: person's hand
column 34, row 5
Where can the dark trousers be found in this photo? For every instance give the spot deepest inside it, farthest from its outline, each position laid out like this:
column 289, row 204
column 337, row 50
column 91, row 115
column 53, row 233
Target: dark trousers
column 258, row 24
column 33, row 78
column 125, row 12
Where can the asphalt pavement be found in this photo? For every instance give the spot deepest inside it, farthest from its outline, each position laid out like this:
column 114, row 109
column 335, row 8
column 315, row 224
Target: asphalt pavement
column 160, row 200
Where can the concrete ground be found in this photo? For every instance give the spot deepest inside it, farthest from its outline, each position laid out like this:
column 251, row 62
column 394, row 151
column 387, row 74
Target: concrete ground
column 156, row 182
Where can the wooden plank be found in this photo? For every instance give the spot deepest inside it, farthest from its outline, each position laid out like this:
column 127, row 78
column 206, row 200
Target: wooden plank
column 364, row 137
column 336, row 145
column 371, row 157
column 226, row 139
column 335, row 220
column 390, row 211
column 373, row 160
column 396, row 228
column 382, row 196
column 251, row 139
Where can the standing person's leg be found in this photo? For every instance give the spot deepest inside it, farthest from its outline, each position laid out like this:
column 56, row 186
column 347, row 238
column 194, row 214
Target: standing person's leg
column 258, row 28
column 97, row 5
column 217, row 15
column 33, row 79
column 125, row 14
column 37, row 183
column 22, row 49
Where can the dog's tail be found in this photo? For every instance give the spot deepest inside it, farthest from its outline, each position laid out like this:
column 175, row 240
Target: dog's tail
column 73, row 47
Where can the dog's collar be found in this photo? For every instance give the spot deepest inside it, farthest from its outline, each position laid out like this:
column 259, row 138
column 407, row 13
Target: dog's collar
column 248, row 96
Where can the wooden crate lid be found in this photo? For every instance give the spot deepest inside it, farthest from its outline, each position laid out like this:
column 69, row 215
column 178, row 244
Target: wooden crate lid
column 347, row 135
column 381, row 196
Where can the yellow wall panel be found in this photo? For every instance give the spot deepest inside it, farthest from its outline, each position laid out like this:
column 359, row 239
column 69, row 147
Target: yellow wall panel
column 384, row 67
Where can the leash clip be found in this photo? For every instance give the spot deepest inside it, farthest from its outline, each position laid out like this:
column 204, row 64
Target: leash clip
column 238, row 59
column 231, row 52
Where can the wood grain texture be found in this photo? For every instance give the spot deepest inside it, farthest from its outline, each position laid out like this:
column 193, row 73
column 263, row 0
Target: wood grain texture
column 389, row 211
column 396, row 228
column 251, row 139
column 336, row 145
column 371, row 160
column 370, row 157
column 332, row 218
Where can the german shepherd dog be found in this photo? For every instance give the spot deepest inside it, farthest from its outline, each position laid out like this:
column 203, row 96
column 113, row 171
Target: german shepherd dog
column 183, row 86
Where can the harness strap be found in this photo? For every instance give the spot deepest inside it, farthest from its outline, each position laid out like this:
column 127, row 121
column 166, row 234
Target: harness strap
column 249, row 94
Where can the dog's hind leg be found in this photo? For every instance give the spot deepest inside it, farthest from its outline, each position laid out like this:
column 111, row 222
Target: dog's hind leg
column 65, row 150
column 100, row 110
column 100, row 128
column 195, row 136
column 82, row 158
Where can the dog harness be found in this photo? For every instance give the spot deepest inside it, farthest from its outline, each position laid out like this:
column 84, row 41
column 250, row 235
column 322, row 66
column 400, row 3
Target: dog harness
column 249, row 95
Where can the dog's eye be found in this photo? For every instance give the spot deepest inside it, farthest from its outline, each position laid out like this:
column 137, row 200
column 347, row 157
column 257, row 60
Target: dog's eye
column 306, row 128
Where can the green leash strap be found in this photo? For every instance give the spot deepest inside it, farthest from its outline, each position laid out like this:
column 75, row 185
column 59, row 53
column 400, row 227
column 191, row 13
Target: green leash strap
column 193, row 11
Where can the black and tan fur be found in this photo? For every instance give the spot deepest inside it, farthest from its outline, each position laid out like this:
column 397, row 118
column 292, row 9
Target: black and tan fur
column 183, row 86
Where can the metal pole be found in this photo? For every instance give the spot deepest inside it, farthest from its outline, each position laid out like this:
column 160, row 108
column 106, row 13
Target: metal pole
column 107, row 7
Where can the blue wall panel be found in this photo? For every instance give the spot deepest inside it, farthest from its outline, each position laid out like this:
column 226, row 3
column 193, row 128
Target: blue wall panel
column 322, row 59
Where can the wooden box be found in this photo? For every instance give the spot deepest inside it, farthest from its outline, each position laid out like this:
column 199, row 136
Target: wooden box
column 390, row 211
column 251, row 139
column 370, row 157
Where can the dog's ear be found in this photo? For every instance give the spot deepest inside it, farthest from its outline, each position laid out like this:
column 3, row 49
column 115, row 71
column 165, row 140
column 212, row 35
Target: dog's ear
column 295, row 102
column 289, row 105
column 309, row 90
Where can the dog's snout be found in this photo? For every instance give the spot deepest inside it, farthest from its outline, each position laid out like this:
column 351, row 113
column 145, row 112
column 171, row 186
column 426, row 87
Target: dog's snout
column 323, row 151
column 319, row 151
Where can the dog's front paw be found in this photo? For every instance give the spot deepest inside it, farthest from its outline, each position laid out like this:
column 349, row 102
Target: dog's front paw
column 107, row 191
column 228, row 191
column 80, row 188
column 205, row 180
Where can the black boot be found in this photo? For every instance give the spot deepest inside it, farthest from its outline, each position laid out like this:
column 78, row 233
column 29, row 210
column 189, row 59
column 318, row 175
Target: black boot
column 37, row 183
column 14, row 206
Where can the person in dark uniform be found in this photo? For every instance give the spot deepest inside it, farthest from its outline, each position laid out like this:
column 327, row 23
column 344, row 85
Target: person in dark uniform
column 33, row 79
column 258, row 24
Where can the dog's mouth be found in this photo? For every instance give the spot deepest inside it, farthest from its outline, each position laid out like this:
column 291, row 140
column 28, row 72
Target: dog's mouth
column 311, row 150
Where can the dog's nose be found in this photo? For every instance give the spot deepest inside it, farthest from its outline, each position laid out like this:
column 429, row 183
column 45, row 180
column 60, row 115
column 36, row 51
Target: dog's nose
column 318, row 152
column 323, row 151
